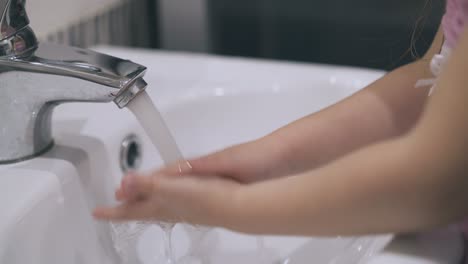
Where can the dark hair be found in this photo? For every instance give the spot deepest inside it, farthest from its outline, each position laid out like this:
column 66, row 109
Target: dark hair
column 417, row 33
column 419, row 26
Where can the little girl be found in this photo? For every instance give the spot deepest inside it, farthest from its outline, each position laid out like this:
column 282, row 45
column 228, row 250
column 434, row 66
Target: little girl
column 388, row 159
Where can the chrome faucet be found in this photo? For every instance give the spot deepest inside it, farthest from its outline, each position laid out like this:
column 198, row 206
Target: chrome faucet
column 35, row 77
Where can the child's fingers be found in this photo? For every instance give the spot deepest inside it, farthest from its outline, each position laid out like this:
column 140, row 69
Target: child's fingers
column 137, row 187
column 181, row 167
column 169, row 170
column 125, row 212
column 189, row 198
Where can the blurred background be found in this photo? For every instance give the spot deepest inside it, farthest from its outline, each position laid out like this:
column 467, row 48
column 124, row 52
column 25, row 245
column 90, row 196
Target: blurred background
column 380, row 34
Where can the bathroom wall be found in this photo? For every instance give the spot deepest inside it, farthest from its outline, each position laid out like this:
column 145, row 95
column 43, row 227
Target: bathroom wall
column 49, row 16
column 184, row 25
column 87, row 23
column 365, row 33
column 168, row 24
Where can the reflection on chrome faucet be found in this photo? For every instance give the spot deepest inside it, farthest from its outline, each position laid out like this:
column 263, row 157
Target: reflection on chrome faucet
column 35, row 77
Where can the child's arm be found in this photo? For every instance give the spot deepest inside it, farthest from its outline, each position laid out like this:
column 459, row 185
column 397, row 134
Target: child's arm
column 414, row 182
column 385, row 109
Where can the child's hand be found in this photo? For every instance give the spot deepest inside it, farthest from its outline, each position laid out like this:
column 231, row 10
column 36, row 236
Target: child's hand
column 198, row 200
column 249, row 162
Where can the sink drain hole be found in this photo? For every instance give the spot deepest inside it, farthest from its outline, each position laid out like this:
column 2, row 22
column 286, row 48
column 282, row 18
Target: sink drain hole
column 130, row 154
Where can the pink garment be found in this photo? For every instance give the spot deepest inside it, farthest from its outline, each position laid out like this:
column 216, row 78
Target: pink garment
column 453, row 23
column 454, row 20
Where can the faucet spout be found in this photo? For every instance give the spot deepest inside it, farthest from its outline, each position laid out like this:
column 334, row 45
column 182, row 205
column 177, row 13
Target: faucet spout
column 93, row 77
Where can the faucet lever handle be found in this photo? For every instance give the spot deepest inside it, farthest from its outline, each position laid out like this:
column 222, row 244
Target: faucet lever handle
column 13, row 17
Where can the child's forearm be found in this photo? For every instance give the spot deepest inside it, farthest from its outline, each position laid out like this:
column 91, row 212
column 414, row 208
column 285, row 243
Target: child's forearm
column 382, row 188
column 385, row 109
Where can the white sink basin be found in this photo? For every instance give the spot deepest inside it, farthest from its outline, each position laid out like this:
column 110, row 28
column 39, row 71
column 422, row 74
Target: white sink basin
column 208, row 103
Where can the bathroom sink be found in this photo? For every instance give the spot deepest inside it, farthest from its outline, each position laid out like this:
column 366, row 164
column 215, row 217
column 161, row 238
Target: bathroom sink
column 208, row 103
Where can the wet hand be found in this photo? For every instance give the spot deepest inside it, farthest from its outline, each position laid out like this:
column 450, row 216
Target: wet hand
column 199, row 200
column 244, row 163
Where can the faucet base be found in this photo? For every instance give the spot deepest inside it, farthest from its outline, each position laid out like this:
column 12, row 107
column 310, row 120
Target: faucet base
column 40, row 153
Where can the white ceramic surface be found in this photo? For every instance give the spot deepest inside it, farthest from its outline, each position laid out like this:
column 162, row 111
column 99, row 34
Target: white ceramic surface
column 209, row 103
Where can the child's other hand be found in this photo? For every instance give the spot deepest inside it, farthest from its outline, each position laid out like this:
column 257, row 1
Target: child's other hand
column 246, row 163
column 198, row 200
